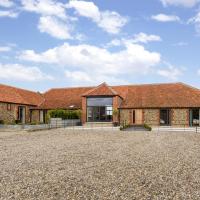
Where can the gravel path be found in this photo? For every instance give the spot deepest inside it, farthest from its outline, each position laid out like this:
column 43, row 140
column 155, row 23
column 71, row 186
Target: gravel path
column 60, row 164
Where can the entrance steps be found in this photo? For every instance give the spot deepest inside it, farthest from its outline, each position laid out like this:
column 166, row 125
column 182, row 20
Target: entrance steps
column 136, row 128
column 98, row 124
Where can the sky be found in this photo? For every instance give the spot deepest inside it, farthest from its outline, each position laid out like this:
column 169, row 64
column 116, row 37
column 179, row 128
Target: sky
column 50, row 44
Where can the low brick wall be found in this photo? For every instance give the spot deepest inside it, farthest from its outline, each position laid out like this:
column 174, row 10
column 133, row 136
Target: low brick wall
column 58, row 122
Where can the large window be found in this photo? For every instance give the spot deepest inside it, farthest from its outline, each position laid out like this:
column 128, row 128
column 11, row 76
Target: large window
column 165, row 117
column 99, row 109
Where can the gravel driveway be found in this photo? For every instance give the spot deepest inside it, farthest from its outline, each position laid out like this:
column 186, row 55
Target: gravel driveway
column 61, row 164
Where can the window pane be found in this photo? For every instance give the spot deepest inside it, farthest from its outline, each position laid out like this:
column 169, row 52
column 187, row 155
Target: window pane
column 99, row 102
column 164, row 117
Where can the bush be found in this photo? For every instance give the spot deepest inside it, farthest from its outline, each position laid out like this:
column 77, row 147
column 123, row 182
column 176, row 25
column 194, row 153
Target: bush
column 2, row 122
column 17, row 121
column 65, row 114
column 33, row 123
column 115, row 124
column 147, row 127
column 124, row 125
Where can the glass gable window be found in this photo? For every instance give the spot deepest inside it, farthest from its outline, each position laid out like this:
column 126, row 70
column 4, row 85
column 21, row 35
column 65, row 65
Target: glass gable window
column 99, row 102
column 99, row 109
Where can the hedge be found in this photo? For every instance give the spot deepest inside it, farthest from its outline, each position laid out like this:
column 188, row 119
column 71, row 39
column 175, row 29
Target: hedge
column 65, row 114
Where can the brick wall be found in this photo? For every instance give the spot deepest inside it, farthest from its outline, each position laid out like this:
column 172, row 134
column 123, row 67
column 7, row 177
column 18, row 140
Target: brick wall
column 180, row 117
column 125, row 116
column 152, row 117
column 84, row 110
column 35, row 118
column 8, row 116
column 116, row 103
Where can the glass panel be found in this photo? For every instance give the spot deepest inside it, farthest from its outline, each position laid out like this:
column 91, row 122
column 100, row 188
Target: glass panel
column 99, row 101
column 89, row 114
column 164, row 117
column 95, row 114
column 195, row 117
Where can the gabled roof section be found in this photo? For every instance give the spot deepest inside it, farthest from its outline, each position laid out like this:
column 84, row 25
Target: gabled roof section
column 11, row 94
column 101, row 90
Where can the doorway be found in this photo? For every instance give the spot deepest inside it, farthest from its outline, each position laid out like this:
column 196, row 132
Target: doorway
column 165, row 117
column 137, row 118
column 22, row 114
column 195, row 117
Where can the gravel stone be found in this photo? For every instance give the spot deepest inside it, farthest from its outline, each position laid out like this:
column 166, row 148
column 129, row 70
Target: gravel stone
column 99, row 164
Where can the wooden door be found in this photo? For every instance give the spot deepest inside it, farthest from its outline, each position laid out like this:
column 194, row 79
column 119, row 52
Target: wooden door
column 138, row 116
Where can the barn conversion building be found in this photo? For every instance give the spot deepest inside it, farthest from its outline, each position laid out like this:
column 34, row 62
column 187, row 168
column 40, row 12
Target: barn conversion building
column 173, row 104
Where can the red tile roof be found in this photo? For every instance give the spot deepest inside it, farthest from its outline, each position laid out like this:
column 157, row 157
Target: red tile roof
column 19, row 96
column 134, row 96
column 162, row 95
column 101, row 90
column 64, row 98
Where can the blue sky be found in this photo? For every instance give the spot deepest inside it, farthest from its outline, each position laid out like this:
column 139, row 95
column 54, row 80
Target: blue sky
column 47, row 43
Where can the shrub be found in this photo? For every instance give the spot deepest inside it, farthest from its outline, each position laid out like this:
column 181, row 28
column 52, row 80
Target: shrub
column 2, row 121
column 147, row 127
column 33, row 123
column 65, row 114
column 115, row 124
column 17, row 121
column 124, row 125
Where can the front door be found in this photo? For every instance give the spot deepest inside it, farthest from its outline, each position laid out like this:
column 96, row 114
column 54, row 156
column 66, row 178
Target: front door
column 137, row 117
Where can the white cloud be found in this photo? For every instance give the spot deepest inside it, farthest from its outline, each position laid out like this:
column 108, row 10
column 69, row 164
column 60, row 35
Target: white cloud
column 137, row 38
column 53, row 18
column 109, row 21
column 6, row 3
column 45, row 7
column 5, row 48
column 115, row 43
column 78, row 76
column 112, row 22
column 196, row 21
column 185, row 3
column 198, row 72
column 86, row 9
column 144, row 38
column 54, row 27
column 171, row 72
column 165, row 18
column 22, row 73
column 93, row 62
column 8, row 13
